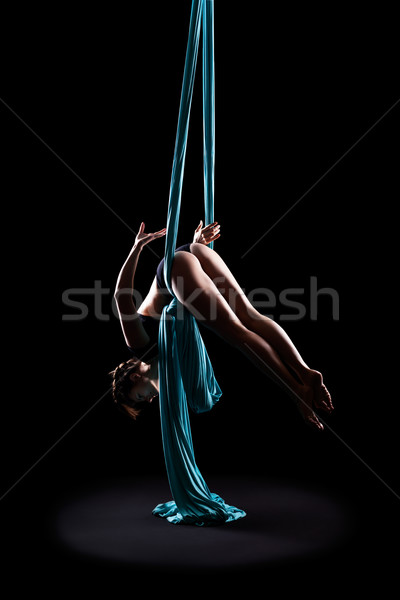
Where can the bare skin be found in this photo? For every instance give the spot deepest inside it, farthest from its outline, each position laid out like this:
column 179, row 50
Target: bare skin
column 203, row 283
column 145, row 382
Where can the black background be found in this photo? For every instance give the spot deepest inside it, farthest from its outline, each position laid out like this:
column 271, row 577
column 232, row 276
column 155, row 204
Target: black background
column 295, row 90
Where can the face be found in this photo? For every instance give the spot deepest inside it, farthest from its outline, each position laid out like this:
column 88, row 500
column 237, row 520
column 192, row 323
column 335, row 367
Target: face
column 143, row 389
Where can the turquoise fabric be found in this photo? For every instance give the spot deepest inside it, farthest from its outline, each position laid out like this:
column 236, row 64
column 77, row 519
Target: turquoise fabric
column 208, row 110
column 185, row 370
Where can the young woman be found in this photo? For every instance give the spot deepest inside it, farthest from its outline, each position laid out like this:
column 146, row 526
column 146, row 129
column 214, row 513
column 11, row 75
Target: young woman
column 205, row 286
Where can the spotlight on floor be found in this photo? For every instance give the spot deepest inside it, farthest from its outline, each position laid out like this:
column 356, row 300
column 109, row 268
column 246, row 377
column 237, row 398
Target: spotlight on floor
column 113, row 521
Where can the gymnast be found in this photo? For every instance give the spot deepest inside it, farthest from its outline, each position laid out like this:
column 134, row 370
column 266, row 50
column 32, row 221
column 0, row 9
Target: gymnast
column 203, row 284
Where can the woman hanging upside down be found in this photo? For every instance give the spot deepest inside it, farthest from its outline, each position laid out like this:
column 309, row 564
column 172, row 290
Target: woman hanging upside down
column 205, row 286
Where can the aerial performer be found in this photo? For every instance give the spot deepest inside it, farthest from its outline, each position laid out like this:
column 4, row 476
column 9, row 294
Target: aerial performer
column 194, row 285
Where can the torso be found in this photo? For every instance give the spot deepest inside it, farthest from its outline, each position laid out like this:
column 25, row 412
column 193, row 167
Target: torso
column 154, row 302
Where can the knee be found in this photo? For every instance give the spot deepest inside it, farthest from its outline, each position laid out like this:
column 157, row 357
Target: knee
column 196, row 246
column 200, row 250
column 183, row 265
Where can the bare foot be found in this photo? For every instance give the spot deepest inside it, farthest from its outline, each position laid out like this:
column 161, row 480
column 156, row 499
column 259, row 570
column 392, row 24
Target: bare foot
column 322, row 398
column 305, row 404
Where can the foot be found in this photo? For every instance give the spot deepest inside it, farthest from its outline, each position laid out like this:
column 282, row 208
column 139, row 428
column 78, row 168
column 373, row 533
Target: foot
column 322, row 398
column 313, row 394
column 304, row 401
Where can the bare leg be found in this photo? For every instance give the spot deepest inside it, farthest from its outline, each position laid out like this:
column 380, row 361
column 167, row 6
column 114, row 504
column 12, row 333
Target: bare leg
column 279, row 339
column 198, row 293
column 270, row 331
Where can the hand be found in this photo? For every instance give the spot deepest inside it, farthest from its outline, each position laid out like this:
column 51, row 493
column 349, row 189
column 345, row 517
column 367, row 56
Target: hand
column 143, row 238
column 205, row 235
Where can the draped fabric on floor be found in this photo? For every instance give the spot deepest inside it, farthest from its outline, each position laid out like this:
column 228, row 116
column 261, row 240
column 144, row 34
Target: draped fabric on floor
column 186, row 375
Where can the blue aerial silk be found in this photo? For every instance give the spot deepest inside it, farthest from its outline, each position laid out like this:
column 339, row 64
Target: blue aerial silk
column 186, row 375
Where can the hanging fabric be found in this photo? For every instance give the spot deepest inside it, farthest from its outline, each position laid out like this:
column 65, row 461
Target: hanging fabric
column 186, row 375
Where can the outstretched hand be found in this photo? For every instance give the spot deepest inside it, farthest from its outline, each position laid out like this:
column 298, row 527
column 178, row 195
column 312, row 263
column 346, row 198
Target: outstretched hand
column 206, row 235
column 143, row 238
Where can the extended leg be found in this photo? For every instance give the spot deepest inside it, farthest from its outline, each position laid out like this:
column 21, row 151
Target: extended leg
column 270, row 331
column 198, row 293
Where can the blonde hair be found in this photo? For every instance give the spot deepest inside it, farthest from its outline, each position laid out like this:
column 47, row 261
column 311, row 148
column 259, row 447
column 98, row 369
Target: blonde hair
column 122, row 385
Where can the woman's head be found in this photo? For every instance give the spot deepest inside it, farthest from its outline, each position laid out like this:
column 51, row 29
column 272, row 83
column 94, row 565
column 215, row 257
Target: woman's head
column 133, row 385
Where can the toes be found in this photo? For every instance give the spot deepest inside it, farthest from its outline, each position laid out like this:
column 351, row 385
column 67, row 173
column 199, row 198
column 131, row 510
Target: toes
column 323, row 405
column 304, row 405
column 310, row 418
column 314, row 422
column 323, row 399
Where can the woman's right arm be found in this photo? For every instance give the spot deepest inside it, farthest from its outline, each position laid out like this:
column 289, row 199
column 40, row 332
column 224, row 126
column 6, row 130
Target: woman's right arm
column 133, row 330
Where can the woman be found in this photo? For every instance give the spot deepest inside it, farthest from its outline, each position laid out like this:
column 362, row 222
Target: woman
column 202, row 282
